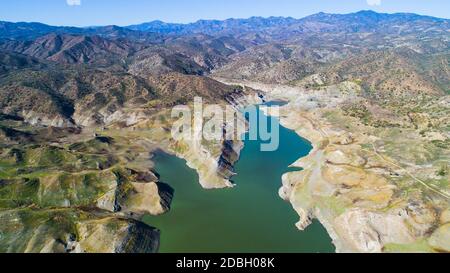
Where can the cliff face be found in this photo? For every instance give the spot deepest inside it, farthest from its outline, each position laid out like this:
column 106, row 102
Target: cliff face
column 215, row 163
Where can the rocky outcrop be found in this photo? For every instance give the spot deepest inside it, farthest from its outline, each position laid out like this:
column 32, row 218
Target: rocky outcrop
column 366, row 231
column 212, row 159
column 126, row 236
column 143, row 195
column 213, row 167
column 230, row 155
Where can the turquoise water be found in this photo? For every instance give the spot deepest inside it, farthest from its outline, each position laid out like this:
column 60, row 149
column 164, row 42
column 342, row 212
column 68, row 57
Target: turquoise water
column 248, row 218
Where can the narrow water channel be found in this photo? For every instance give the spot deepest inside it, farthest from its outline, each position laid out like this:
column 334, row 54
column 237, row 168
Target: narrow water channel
column 248, row 218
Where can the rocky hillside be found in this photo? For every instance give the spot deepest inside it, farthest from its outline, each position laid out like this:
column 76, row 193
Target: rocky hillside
column 388, row 72
column 57, row 95
column 73, row 49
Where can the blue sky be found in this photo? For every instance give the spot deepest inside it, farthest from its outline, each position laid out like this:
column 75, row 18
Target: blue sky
column 126, row 12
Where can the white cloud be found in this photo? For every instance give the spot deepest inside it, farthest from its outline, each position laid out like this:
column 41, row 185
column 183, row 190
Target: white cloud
column 373, row 2
column 73, row 2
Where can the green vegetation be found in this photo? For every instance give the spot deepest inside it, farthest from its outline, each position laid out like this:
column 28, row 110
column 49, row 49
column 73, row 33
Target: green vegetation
column 419, row 246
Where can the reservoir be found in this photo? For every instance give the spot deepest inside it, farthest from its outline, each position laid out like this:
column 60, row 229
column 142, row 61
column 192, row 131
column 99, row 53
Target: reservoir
column 246, row 219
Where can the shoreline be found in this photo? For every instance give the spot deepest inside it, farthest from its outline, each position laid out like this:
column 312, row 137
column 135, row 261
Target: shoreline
column 307, row 219
column 253, row 203
column 350, row 188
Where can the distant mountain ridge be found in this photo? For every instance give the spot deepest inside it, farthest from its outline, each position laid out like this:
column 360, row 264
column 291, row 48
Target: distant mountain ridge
column 214, row 26
column 361, row 18
column 368, row 20
column 27, row 31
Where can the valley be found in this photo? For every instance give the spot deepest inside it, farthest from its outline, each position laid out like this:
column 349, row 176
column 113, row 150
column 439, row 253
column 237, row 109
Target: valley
column 88, row 163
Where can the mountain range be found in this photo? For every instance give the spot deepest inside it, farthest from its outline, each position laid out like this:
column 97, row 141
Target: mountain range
column 47, row 60
column 320, row 22
column 80, row 109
